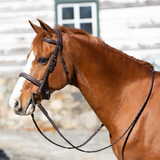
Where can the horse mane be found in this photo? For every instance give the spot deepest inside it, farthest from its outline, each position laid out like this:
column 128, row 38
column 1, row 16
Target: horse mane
column 37, row 42
column 102, row 44
column 142, row 62
column 80, row 34
column 72, row 31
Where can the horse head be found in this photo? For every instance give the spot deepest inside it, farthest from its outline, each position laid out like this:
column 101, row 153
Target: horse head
column 38, row 61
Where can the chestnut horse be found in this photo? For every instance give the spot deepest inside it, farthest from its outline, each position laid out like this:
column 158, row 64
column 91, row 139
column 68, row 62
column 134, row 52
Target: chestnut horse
column 114, row 84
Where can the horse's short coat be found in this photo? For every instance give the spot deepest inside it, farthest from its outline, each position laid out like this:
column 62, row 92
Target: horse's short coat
column 114, row 84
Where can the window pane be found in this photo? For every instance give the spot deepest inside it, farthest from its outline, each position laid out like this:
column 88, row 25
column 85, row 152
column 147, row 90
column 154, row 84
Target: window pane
column 85, row 12
column 87, row 27
column 68, row 13
column 69, row 25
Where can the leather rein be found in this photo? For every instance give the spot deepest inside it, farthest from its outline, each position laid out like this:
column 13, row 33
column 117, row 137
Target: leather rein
column 44, row 89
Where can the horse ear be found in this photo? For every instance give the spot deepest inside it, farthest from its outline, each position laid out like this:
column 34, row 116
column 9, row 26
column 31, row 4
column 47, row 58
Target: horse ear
column 36, row 28
column 46, row 28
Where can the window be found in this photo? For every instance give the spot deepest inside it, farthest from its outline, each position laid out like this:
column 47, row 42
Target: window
column 78, row 15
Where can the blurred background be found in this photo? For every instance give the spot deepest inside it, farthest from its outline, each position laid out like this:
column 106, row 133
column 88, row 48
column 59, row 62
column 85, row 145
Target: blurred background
column 132, row 26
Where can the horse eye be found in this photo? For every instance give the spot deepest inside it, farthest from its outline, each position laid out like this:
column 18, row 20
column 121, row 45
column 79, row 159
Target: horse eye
column 42, row 60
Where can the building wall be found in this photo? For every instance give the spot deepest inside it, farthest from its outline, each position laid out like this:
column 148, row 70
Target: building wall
column 134, row 30
column 16, row 34
column 133, row 27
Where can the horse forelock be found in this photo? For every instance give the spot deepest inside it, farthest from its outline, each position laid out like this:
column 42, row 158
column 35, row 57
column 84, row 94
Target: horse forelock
column 37, row 42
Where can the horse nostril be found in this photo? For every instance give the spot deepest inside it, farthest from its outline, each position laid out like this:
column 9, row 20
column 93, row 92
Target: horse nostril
column 17, row 105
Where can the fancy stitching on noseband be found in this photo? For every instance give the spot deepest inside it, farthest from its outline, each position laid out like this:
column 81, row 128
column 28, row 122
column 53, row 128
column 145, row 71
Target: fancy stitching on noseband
column 45, row 90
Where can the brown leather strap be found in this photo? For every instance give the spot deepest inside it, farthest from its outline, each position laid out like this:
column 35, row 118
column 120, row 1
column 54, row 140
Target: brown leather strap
column 30, row 78
column 56, row 128
column 129, row 129
column 50, row 41
column 43, row 86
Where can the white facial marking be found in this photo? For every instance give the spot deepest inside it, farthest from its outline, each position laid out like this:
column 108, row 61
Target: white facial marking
column 17, row 90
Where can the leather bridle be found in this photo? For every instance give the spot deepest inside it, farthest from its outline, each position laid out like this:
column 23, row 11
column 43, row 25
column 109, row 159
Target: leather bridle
column 44, row 89
column 43, row 86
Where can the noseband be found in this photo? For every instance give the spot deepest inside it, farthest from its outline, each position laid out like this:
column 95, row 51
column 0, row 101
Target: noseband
column 43, row 86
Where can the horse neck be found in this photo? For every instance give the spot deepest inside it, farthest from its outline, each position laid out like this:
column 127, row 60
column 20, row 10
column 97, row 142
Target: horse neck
column 108, row 78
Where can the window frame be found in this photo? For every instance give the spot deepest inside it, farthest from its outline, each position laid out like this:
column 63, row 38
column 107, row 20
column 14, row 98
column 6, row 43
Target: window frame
column 77, row 21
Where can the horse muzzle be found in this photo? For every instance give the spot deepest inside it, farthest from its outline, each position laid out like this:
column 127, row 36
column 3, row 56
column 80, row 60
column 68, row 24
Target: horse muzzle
column 29, row 108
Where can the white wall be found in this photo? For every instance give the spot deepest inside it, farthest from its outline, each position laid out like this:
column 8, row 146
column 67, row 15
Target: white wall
column 134, row 30
column 16, row 34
